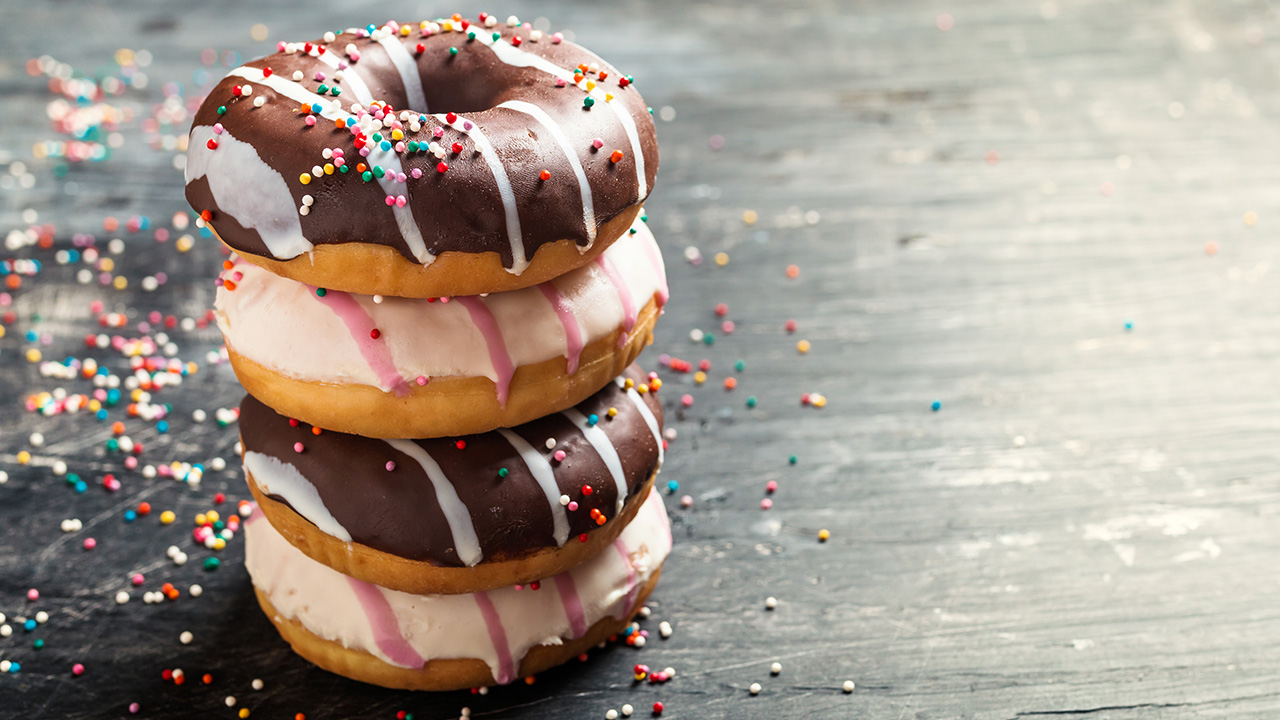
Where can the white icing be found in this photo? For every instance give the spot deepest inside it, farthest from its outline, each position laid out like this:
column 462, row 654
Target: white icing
column 293, row 91
column 271, row 321
column 248, row 189
column 455, row 513
column 518, row 261
column 512, row 55
column 648, row 416
column 584, row 188
column 604, row 446
column 451, row 626
column 409, row 230
column 351, row 77
column 545, row 475
column 283, row 480
column 407, row 66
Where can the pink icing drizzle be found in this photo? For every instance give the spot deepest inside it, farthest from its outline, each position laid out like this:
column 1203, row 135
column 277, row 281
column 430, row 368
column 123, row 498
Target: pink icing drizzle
column 360, row 325
column 628, row 601
column 386, row 630
column 572, row 605
column 624, row 295
column 664, row 293
column 498, row 636
column 498, row 355
column 572, row 333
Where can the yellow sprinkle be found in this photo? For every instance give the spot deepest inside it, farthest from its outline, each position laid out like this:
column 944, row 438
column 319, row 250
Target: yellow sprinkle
column 446, row 26
column 803, row 346
column 33, row 355
column 192, row 368
column 1250, row 218
column 608, row 97
column 95, row 405
column 642, row 388
column 397, row 135
column 655, row 384
column 38, row 150
column 699, row 377
column 219, row 544
column 750, row 217
column 244, row 712
column 137, row 393
column 106, row 264
column 630, row 383
column 613, row 412
column 823, row 535
column 2, row 331
column 818, row 400
column 201, row 519
column 124, row 56
column 722, row 259
column 305, row 178
column 212, row 516
column 167, row 517
column 328, row 168
column 591, row 85
column 24, row 457
column 185, row 243
column 404, row 31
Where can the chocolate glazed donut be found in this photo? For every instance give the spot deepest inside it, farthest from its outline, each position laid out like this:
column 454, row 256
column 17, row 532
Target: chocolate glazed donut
column 462, row 514
column 443, row 158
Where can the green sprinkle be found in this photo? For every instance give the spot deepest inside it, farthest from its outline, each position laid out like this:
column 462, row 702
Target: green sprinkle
column 471, row 35
column 38, row 644
column 502, row 472
column 644, row 218
column 751, row 401
column 792, row 460
column 453, row 51
column 222, row 109
column 342, row 169
column 212, row 563
column 322, row 89
column 335, row 91
column 588, row 101
column 377, row 137
column 366, row 175
column 497, row 37
column 113, row 445
column 709, row 339
column 631, row 231
column 740, row 365
column 412, row 146
column 377, row 170
column 321, row 292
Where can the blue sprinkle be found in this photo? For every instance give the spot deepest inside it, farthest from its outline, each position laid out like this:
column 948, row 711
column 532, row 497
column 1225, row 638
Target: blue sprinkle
column 144, row 222
column 32, row 336
column 29, row 625
column 370, row 28
column 81, row 487
column 592, row 419
column 1128, row 325
column 315, row 107
column 672, row 486
column 14, row 667
column 73, row 256
column 102, row 370
column 351, row 121
column 113, row 396
column 102, row 414
column 130, row 516
column 936, row 405
column 198, row 466
column 385, row 145
column 162, row 426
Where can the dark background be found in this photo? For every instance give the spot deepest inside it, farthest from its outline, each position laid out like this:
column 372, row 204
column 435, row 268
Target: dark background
column 1087, row 528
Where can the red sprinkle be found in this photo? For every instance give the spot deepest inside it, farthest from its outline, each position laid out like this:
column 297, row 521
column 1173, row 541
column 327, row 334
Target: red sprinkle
column 451, row 118
column 461, row 444
column 586, row 490
column 545, row 175
column 441, row 167
column 375, row 333
column 212, row 144
column 456, row 148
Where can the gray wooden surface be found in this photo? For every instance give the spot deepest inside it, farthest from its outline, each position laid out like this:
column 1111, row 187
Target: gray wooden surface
column 1086, row 528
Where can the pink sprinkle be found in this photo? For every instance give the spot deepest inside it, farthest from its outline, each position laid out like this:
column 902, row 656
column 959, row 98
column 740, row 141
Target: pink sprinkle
column 467, row 125
column 727, row 327
column 33, row 594
column 131, row 462
column 557, row 38
column 597, row 143
column 339, row 162
column 765, row 504
column 438, row 132
column 217, row 128
column 90, row 543
column 390, row 200
column 319, row 77
column 686, row 501
column 573, row 505
column 77, row 669
column 137, row 579
column 298, row 447
column 559, row 456
column 560, row 82
column 280, row 46
column 704, row 365
column 364, row 151
column 790, row 326
column 686, row 400
column 355, row 56
column 417, row 173
column 134, row 708
column 311, row 120
column 338, row 152
column 391, row 465
column 722, row 309
column 401, row 201
column 422, row 380
column 400, row 148
column 771, row 486
column 400, row 177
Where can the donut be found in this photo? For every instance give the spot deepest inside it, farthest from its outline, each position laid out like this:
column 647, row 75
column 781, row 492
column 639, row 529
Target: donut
column 433, row 159
column 450, row 642
column 422, row 367
column 460, row 514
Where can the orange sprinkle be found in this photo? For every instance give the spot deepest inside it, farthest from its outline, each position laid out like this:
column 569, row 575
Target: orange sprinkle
column 229, row 284
column 227, row 264
column 361, row 167
column 730, row 383
column 615, row 156
column 545, row 175
column 316, row 430
column 793, row 271
column 207, row 679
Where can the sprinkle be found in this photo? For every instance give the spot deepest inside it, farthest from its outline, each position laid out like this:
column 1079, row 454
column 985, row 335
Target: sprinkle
column 77, row 669
column 321, row 292
column 441, row 167
column 848, row 686
column 754, row 689
column 375, row 333
column 305, row 178
column 824, row 535
column 936, row 405
column 588, row 101
column 90, row 543
column 775, row 668
column 615, row 156
column 770, row 602
column 657, row 707
column 597, row 143
column 793, row 271
column 803, row 347
column 766, row 503
column 185, row 638
column 33, row 595
column 298, row 447
column 544, row 175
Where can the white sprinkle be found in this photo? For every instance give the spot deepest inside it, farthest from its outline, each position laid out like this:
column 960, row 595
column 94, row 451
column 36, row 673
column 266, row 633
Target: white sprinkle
column 199, row 416
column 627, row 710
column 122, row 597
column 297, row 75
column 611, row 715
column 645, row 612
column 186, row 637
column 664, row 629
column 640, row 641
column 5, row 631
column 195, row 590
column 4, row 665
column 4, row 477
column 775, row 668
column 308, row 200
column 260, row 101
column 695, row 335
column 180, row 559
column 218, row 464
column 42, row 617
column 754, row 689
column 246, row 89
column 173, row 550
column 551, row 443
column 377, row 299
column 304, row 210
column 564, row 500
column 669, row 672
column 230, row 701
column 848, row 686
column 770, row 602
column 36, row 439
column 512, row 21
column 256, row 684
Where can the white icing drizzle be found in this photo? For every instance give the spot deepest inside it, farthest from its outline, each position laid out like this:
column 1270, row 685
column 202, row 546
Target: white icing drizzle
column 584, row 188
column 543, row 473
column 646, row 413
column 604, row 447
column 248, row 189
column 408, row 69
column 518, row 261
column 388, row 159
column 350, row 77
column 514, row 56
column 275, row 477
column 457, row 514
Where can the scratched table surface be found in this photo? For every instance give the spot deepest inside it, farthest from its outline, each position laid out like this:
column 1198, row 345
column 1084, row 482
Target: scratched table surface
column 1056, row 220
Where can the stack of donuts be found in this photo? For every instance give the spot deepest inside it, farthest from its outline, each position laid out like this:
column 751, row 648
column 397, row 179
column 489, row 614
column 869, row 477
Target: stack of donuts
column 440, row 279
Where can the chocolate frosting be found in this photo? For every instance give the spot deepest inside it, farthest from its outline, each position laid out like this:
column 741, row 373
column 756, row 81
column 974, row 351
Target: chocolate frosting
column 397, row 511
column 461, row 209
